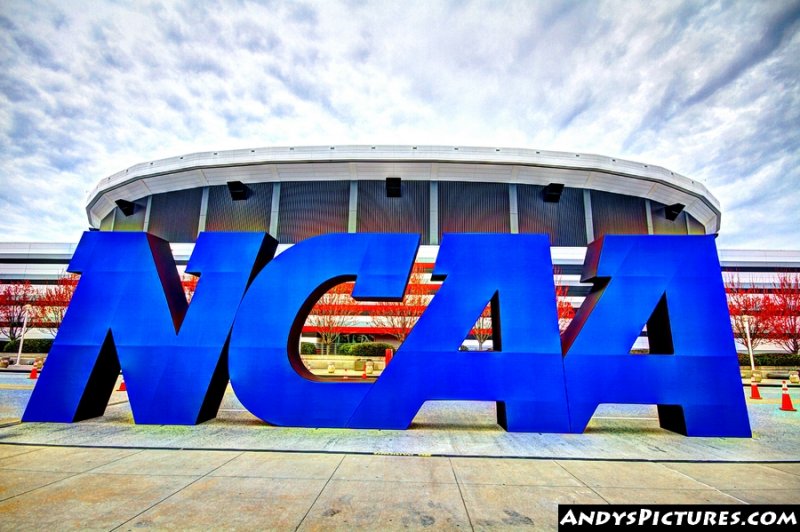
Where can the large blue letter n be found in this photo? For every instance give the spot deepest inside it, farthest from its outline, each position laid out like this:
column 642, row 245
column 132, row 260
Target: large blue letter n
column 129, row 310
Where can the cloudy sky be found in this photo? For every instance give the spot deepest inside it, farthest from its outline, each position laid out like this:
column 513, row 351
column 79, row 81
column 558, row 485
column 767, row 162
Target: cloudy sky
column 707, row 89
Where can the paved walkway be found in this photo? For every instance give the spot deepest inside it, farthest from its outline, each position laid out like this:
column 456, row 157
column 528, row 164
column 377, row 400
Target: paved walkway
column 126, row 489
column 617, row 432
column 454, row 469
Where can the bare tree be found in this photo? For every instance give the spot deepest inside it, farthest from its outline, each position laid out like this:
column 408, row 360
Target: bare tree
column 397, row 318
column 332, row 313
column 482, row 331
column 14, row 297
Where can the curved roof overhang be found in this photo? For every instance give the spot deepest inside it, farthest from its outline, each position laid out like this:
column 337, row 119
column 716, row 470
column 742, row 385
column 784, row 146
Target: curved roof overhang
column 437, row 163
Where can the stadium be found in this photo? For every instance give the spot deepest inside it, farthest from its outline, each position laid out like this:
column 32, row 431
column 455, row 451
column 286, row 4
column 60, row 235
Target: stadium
column 298, row 192
column 294, row 193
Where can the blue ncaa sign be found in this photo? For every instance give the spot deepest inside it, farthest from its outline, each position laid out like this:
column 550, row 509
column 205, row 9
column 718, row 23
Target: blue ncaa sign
column 243, row 325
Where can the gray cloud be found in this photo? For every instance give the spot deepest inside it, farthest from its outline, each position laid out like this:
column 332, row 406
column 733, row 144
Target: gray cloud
column 707, row 90
column 773, row 35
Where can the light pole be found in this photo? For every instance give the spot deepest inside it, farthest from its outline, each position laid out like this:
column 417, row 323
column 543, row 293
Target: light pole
column 749, row 344
column 25, row 311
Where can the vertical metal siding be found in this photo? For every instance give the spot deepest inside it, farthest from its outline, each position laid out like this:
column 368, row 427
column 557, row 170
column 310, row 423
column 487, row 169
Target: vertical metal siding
column 473, row 208
column 310, row 208
column 134, row 222
column 105, row 224
column 662, row 226
column 618, row 214
column 174, row 215
column 695, row 227
column 406, row 214
column 251, row 214
column 564, row 221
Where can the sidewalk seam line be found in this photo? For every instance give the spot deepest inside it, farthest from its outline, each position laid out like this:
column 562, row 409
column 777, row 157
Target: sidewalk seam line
column 705, row 484
column 305, row 515
column 69, row 476
column 237, row 454
column 461, row 493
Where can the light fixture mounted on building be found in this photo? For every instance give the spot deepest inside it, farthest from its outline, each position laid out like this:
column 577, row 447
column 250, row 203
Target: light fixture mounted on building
column 552, row 192
column 238, row 190
column 393, row 188
column 672, row 211
column 127, row 207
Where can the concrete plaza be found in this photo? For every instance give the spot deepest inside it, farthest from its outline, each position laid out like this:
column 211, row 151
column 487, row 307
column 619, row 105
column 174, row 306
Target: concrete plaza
column 454, row 469
column 127, row 488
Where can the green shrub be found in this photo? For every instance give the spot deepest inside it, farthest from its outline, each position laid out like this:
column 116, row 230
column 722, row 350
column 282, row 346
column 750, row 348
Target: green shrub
column 37, row 345
column 308, row 349
column 344, row 349
column 770, row 359
column 370, row 349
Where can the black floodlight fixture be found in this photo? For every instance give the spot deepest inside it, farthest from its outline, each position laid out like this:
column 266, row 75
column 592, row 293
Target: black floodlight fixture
column 238, row 190
column 127, row 207
column 393, row 189
column 552, row 192
column 672, row 211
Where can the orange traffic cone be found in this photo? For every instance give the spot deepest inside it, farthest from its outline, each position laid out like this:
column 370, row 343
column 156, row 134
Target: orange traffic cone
column 786, row 401
column 122, row 387
column 364, row 375
column 754, row 393
column 34, row 373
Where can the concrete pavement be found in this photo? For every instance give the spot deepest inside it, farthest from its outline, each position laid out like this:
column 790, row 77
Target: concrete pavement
column 125, row 489
column 454, row 469
column 617, row 432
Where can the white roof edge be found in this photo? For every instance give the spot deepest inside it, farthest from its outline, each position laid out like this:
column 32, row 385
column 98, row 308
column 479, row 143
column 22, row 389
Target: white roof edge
column 695, row 195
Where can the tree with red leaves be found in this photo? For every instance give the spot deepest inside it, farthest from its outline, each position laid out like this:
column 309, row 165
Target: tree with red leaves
column 563, row 307
column 483, row 327
column 750, row 308
column 399, row 317
column 332, row 312
column 14, row 298
column 53, row 302
column 189, row 284
column 785, row 330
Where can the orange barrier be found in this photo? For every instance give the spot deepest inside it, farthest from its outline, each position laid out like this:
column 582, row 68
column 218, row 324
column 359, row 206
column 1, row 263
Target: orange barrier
column 754, row 393
column 786, row 401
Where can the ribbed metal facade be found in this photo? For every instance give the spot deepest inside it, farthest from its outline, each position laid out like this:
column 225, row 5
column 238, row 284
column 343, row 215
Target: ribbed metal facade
column 695, row 227
column 251, row 214
column 564, row 221
column 174, row 216
column 310, row 208
column 108, row 222
column 134, row 222
column 409, row 213
column 615, row 214
column 473, row 208
column 663, row 226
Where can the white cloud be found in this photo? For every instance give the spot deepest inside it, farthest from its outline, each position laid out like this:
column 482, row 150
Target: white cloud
column 707, row 90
